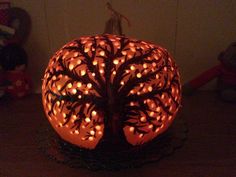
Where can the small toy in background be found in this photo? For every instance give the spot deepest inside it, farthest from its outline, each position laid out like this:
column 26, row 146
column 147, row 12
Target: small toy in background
column 6, row 32
column 15, row 25
column 16, row 82
column 225, row 73
column 20, row 21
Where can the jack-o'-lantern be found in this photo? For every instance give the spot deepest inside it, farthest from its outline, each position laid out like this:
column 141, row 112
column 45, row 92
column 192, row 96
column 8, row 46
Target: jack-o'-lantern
column 109, row 88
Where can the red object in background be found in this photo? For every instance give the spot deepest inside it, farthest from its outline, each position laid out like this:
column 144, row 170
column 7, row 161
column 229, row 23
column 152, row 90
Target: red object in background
column 225, row 72
column 20, row 84
column 226, row 76
column 205, row 77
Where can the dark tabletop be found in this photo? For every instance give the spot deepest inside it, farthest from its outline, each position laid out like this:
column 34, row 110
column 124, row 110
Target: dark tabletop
column 209, row 151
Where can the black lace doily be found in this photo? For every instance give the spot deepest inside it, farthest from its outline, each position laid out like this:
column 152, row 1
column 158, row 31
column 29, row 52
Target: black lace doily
column 110, row 159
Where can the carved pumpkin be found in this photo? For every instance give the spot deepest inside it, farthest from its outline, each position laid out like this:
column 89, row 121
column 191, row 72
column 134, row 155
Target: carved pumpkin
column 110, row 88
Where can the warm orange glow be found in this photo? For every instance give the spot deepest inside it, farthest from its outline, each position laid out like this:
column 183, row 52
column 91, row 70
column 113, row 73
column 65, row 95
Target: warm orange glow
column 79, row 84
column 102, row 53
column 131, row 129
column 143, row 119
column 115, row 62
column 124, row 53
column 98, row 127
column 69, row 85
column 94, row 113
column 74, row 91
column 91, row 75
column 92, row 132
column 86, row 50
column 95, row 62
column 91, row 138
column 150, row 88
column 71, row 66
column 89, row 85
column 132, row 67
column 83, row 72
column 87, row 119
column 139, row 75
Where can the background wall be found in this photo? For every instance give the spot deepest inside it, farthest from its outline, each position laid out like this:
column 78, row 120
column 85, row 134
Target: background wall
column 193, row 31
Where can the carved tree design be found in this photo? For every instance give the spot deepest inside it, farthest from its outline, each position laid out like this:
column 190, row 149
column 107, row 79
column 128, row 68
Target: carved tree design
column 110, row 86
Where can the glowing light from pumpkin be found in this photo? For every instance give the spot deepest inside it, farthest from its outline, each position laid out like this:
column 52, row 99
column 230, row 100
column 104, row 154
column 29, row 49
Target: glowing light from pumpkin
column 95, row 79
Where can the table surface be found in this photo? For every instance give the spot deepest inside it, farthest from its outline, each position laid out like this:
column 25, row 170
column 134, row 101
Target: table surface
column 209, row 150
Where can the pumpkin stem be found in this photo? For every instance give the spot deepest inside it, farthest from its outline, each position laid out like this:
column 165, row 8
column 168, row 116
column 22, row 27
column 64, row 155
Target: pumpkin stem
column 114, row 25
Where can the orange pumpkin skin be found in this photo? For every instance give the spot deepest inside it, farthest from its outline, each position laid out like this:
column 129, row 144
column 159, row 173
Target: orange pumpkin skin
column 113, row 87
